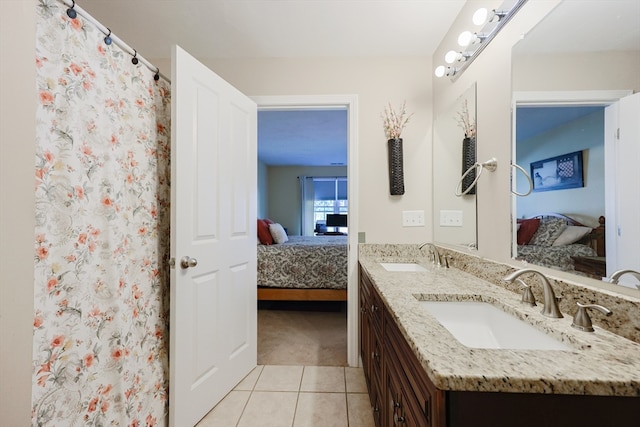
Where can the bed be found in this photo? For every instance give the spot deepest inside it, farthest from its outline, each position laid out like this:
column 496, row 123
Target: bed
column 305, row 268
column 557, row 241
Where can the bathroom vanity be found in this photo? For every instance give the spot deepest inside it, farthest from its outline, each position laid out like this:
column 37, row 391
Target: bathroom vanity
column 419, row 374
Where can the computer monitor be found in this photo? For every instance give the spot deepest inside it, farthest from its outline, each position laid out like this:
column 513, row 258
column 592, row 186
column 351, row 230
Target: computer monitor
column 336, row 220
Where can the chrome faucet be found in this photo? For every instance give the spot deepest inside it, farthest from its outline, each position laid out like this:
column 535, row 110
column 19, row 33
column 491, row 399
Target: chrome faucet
column 615, row 277
column 550, row 301
column 433, row 250
column 582, row 320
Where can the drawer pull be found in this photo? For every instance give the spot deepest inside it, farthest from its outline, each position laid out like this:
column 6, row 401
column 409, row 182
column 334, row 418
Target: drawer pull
column 398, row 418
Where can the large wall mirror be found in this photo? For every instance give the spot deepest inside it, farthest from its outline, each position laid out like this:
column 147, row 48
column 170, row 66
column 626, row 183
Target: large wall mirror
column 573, row 76
column 454, row 140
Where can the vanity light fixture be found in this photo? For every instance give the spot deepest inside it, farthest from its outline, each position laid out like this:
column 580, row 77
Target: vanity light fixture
column 467, row 38
column 483, row 16
column 441, row 71
column 491, row 22
column 453, row 56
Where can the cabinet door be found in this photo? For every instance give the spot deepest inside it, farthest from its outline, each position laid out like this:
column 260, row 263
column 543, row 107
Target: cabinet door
column 398, row 404
column 423, row 402
column 365, row 333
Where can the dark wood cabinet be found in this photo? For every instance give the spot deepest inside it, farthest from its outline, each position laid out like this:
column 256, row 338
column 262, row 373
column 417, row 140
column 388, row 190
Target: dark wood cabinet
column 402, row 394
column 399, row 390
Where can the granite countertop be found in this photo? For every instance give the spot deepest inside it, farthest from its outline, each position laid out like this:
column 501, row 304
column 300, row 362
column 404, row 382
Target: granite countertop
column 601, row 363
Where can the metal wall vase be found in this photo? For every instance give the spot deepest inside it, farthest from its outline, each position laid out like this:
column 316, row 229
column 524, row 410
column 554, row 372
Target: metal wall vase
column 396, row 169
column 468, row 160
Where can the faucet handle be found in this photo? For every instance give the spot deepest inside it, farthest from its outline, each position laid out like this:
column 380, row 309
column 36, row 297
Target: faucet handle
column 446, row 260
column 527, row 295
column 582, row 321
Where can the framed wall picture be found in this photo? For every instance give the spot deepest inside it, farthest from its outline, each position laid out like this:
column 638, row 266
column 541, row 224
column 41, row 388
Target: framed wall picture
column 558, row 173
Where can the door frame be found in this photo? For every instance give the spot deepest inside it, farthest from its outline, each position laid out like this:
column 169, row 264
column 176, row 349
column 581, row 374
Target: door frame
column 350, row 102
column 553, row 99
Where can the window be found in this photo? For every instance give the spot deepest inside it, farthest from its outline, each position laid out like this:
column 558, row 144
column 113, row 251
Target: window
column 321, row 196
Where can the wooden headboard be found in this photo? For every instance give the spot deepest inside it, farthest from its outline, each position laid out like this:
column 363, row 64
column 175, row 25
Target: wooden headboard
column 595, row 239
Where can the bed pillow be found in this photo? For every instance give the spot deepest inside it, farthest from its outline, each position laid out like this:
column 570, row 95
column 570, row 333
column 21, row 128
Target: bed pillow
column 527, row 229
column 264, row 234
column 548, row 231
column 278, row 233
column 571, row 234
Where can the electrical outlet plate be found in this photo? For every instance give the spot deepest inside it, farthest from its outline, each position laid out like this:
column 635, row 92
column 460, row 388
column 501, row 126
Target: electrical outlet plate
column 450, row 218
column 413, row 218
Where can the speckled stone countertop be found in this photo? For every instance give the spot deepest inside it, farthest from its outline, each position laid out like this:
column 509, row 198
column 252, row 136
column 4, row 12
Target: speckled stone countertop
column 601, row 363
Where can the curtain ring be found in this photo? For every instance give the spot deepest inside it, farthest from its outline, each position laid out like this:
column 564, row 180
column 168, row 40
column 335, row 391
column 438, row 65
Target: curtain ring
column 134, row 60
column 107, row 39
column 157, row 76
column 71, row 13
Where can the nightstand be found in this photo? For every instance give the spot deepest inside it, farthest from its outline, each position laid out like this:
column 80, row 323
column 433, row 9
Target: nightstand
column 594, row 266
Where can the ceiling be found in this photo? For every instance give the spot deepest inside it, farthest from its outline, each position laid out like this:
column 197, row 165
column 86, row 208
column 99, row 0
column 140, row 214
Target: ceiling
column 278, row 28
column 535, row 120
column 303, row 137
column 283, row 29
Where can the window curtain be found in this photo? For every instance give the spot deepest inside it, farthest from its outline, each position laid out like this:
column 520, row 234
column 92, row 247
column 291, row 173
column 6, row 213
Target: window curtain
column 307, row 198
column 102, row 228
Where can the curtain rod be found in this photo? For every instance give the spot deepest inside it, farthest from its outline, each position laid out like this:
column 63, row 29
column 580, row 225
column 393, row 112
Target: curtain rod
column 107, row 32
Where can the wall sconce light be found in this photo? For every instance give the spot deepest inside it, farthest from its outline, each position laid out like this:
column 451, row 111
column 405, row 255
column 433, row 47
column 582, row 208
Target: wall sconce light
column 475, row 42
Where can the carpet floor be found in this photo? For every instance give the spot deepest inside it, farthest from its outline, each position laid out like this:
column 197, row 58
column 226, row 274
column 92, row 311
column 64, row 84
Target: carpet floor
column 302, row 333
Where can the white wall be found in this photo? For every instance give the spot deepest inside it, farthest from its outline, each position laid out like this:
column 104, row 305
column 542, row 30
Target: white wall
column 376, row 81
column 263, row 192
column 284, row 192
column 17, row 223
column 492, row 73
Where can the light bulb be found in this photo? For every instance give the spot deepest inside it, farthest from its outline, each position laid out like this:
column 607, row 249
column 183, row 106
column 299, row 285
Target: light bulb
column 451, row 57
column 440, row 70
column 480, row 16
column 465, row 38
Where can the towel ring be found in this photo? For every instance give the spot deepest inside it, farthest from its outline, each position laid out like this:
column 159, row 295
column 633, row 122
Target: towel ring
column 490, row 165
column 517, row 166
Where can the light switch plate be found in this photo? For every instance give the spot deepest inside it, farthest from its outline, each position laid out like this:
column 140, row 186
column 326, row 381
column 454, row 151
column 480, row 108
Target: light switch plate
column 450, row 218
column 413, row 218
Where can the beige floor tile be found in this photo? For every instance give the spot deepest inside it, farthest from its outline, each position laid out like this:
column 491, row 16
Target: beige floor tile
column 359, row 408
column 323, row 379
column 279, row 378
column 355, row 380
column 269, row 409
column 249, row 382
column 227, row 412
column 321, row 409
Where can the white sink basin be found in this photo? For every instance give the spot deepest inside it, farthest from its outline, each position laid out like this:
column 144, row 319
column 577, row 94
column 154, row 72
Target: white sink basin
column 482, row 325
column 402, row 266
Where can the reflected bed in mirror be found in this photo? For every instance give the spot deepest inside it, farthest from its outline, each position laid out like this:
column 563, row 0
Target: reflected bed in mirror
column 567, row 99
column 454, row 150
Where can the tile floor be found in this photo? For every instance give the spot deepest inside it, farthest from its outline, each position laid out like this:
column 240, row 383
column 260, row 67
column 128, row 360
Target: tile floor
column 293, row 396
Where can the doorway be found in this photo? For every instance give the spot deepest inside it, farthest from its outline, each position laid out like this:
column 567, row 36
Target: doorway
column 350, row 103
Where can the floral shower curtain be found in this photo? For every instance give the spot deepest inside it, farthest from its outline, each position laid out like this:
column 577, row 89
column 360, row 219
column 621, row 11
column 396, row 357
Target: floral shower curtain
column 102, row 231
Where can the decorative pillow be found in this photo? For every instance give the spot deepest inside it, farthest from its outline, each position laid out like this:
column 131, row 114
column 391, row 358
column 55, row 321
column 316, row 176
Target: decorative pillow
column 548, row 231
column 571, row 234
column 527, row 229
column 278, row 233
column 264, row 234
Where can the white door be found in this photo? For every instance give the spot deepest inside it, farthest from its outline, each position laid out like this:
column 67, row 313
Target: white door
column 622, row 186
column 213, row 318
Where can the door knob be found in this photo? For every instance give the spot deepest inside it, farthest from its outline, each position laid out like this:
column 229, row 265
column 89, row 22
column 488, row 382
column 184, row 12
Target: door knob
column 186, row 262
